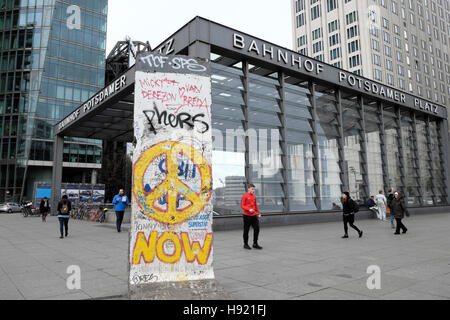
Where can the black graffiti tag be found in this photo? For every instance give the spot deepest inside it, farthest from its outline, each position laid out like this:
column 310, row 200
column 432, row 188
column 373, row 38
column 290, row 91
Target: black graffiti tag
column 180, row 120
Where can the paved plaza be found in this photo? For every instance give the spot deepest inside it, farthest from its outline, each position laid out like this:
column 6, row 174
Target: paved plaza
column 308, row 261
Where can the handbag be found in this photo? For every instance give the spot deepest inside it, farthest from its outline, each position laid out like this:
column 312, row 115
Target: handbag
column 388, row 210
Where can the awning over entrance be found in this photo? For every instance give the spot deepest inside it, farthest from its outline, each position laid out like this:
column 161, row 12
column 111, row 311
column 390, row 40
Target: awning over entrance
column 108, row 115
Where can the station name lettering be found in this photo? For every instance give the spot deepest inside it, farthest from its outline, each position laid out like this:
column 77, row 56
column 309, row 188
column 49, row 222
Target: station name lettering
column 423, row 105
column 284, row 56
column 95, row 100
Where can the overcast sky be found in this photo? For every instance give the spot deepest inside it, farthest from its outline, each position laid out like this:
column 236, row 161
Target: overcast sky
column 155, row 20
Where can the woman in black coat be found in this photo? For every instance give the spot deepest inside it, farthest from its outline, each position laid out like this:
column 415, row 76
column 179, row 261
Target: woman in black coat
column 398, row 210
column 349, row 209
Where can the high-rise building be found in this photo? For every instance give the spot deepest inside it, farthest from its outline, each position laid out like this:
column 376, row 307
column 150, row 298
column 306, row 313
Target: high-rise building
column 52, row 57
column 402, row 43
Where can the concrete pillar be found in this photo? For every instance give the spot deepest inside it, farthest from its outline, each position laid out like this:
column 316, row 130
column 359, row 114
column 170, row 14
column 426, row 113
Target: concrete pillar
column 58, row 149
column 171, row 247
column 94, row 176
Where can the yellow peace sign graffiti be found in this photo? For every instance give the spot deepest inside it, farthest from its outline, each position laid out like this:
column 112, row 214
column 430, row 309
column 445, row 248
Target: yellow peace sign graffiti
column 171, row 187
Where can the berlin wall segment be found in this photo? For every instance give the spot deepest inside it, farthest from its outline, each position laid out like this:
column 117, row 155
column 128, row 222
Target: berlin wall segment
column 171, row 225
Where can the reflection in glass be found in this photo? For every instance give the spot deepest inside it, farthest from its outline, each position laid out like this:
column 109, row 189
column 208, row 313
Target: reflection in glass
column 424, row 162
column 228, row 156
column 299, row 148
column 264, row 142
column 409, row 146
column 374, row 161
column 353, row 148
column 392, row 148
column 328, row 136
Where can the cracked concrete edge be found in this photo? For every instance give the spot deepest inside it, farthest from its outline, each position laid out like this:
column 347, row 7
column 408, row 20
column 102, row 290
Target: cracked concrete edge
column 187, row 290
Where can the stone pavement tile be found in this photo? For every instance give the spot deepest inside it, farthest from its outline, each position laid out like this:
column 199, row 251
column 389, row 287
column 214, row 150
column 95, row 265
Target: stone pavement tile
column 24, row 269
column 104, row 281
column 408, row 294
column 423, row 270
column 8, row 290
column 76, row 295
column 388, row 284
column 106, row 291
column 44, row 291
column 259, row 293
column 231, row 285
column 433, row 287
column 331, row 294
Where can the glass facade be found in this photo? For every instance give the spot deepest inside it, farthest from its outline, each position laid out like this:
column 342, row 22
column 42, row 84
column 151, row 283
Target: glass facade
column 48, row 67
column 303, row 144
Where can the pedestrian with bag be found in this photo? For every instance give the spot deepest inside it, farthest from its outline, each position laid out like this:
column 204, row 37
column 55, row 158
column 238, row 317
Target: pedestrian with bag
column 120, row 202
column 381, row 202
column 349, row 208
column 251, row 217
column 399, row 210
column 64, row 208
column 44, row 208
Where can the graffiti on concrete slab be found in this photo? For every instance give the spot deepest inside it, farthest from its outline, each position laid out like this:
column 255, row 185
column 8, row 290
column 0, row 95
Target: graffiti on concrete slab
column 171, row 229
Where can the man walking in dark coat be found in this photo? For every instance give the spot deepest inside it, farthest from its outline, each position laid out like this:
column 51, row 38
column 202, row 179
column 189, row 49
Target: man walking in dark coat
column 399, row 210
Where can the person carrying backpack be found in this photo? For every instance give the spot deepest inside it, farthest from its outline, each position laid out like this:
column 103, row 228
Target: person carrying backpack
column 349, row 208
column 64, row 208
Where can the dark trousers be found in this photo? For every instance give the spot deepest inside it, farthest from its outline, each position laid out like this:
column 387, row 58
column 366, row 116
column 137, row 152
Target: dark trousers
column 119, row 219
column 253, row 222
column 400, row 225
column 63, row 224
column 349, row 219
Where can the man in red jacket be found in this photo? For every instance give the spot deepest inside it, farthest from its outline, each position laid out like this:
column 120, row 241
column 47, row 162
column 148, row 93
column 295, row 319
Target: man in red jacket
column 251, row 217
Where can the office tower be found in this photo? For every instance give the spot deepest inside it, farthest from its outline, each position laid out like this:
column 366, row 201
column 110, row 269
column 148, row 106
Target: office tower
column 403, row 43
column 52, row 58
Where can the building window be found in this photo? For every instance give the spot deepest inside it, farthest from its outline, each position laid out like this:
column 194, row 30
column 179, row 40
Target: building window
column 351, row 17
column 334, row 39
column 331, row 5
column 315, row 12
column 354, row 61
column 353, row 46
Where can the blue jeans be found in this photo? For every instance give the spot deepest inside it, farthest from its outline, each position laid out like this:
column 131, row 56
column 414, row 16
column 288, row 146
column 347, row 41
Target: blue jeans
column 119, row 219
column 392, row 218
column 63, row 224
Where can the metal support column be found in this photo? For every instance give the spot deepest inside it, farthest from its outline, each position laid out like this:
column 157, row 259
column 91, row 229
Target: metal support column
column 363, row 151
column 401, row 155
column 58, row 150
column 429, row 160
column 316, row 147
column 444, row 146
column 384, row 160
column 283, row 133
column 343, row 170
column 245, row 123
column 418, row 177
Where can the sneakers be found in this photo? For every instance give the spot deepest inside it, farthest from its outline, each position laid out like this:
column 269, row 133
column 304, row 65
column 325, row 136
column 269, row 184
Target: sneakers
column 246, row 246
column 256, row 246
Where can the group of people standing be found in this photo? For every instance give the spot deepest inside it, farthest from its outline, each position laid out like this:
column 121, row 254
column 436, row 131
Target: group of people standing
column 393, row 204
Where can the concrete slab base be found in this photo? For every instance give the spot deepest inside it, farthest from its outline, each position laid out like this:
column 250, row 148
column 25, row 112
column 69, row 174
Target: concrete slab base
column 186, row 290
